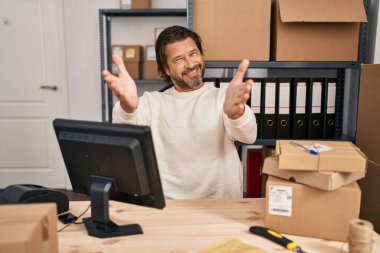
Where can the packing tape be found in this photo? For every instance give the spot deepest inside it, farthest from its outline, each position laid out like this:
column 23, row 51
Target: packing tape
column 360, row 236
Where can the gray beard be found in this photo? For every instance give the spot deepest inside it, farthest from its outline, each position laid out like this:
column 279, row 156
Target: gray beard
column 188, row 85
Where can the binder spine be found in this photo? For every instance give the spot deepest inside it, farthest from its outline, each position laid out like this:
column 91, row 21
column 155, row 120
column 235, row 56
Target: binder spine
column 255, row 103
column 283, row 108
column 299, row 108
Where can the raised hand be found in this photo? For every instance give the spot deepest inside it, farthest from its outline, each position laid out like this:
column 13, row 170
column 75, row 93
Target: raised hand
column 122, row 86
column 237, row 92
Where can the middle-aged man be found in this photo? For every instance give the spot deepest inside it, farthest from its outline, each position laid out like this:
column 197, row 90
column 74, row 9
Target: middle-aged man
column 194, row 125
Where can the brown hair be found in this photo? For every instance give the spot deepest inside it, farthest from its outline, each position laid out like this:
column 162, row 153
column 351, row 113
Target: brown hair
column 168, row 36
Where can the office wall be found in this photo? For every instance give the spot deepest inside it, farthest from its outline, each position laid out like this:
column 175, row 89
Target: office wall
column 83, row 53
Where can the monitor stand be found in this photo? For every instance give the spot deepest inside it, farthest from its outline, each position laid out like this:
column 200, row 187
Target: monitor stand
column 100, row 225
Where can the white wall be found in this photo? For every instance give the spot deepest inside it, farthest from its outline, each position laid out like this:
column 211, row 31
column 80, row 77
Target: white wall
column 81, row 22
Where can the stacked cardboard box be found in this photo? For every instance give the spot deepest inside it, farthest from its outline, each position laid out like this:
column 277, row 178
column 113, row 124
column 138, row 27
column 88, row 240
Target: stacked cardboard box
column 150, row 63
column 131, row 55
column 135, row 4
column 312, row 202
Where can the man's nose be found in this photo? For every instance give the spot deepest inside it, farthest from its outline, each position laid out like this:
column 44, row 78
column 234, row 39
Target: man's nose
column 189, row 63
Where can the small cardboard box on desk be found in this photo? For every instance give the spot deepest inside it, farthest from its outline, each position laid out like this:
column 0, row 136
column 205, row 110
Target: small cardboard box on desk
column 28, row 228
column 298, row 209
column 340, row 156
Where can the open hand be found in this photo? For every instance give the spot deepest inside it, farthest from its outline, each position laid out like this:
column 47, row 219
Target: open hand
column 237, row 93
column 122, row 86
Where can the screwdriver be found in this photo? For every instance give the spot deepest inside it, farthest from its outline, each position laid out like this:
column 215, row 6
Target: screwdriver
column 276, row 237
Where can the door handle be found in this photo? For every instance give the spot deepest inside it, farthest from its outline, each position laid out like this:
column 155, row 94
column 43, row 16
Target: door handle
column 47, row 87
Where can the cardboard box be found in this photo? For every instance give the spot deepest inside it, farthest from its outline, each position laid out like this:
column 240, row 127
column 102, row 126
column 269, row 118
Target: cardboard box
column 309, row 30
column 135, row 4
column 368, row 140
column 234, row 29
column 323, row 180
column 343, row 157
column 132, row 57
column 293, row 208
column 150, row 62
column 29, row 228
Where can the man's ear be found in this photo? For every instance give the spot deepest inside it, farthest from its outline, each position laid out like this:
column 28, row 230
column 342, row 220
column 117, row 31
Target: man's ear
column 167, row 71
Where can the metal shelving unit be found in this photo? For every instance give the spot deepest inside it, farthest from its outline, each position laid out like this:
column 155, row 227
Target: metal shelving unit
column 341, row 68
column 348, row 73
column 105, row 19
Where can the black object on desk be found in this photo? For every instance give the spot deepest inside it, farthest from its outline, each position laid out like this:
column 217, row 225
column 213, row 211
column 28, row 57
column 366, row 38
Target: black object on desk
column 29, row 193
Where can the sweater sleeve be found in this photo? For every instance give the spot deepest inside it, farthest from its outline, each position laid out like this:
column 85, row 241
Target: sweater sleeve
column 243, row 129
column 141, row 116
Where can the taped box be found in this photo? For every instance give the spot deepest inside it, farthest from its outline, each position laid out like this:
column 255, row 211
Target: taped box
column 151, row 72
column 132, row 57
column 28, row 228
column 324, row 180
column 297, row 209
column 340, row 156
column 309, row 30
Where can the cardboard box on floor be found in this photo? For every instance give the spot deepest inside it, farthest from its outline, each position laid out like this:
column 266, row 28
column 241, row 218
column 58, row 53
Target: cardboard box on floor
column 28, row 228
column 233, row 29
column 132, row 57
column 344, row 157
column 323, row 180
column 150, row 62
column 309, row 30
column 368, row 140
column 297, row 209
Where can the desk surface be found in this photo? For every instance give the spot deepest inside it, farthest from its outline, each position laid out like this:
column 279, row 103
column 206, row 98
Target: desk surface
column 188, row 225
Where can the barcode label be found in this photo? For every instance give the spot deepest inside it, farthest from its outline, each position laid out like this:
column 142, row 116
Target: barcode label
column 280, row 200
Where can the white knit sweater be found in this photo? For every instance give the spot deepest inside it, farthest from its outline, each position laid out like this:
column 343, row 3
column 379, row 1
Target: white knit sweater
column 194, row 141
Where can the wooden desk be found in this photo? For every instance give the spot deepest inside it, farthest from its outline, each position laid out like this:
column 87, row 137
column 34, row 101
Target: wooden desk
column 189, row 225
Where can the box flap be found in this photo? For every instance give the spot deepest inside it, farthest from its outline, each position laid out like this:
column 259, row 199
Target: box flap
column 322, row 11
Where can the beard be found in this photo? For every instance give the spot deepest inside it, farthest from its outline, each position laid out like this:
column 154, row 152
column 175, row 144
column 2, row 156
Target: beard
column 195, row 80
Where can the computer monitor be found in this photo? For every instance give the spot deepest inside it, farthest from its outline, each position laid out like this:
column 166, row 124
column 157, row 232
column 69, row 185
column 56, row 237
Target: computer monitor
column 110, row 161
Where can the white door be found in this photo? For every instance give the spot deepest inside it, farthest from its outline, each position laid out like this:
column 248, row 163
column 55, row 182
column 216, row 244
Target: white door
column 32, row 92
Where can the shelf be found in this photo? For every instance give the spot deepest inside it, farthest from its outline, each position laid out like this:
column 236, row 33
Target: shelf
column 284, row 65
column 144, row 12
column 154, row 82
column 272, row 142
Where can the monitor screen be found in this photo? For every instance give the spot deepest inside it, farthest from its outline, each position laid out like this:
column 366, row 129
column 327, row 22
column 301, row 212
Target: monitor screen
column 110, row 161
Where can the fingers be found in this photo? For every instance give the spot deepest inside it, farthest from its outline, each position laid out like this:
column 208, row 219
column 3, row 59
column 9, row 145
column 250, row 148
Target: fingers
column 108, row 77
column 120, row 65
column 239, row 75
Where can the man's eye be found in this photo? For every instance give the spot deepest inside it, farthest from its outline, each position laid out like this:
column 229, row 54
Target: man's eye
column 178, row 60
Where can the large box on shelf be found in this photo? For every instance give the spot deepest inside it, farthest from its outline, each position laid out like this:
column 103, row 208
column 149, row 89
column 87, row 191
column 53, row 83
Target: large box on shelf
column 234, row 29
column 309, row 30
column 150, row 63
column 132, row 56
column 323, row 180
column 342, row 156
column 28, row 228
column 297, row 209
